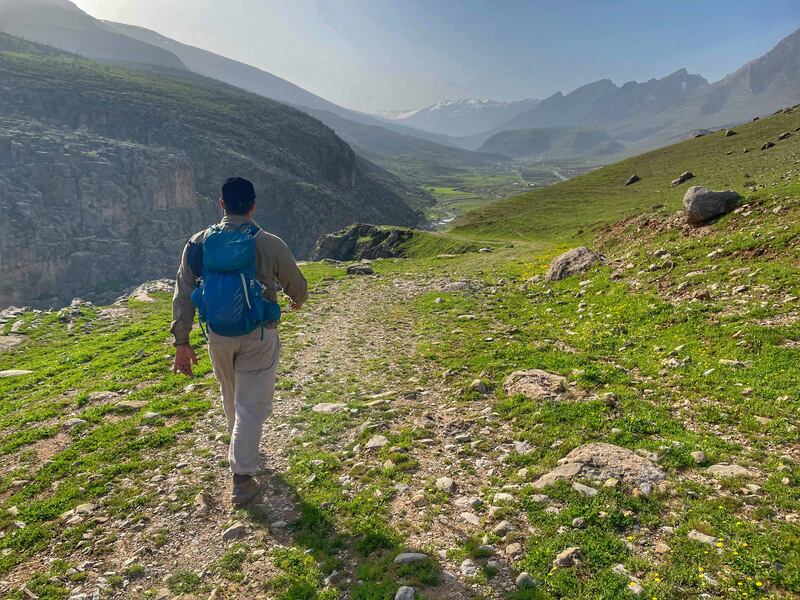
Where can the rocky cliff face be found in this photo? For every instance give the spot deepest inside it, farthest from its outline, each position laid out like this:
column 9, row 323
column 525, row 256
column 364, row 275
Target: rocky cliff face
column 87, row 216
column 129, row 164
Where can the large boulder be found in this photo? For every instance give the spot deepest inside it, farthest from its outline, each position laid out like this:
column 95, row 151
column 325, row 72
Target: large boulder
column 600, row 461
column 701, row 205
column 360, row 241
column 574, row 262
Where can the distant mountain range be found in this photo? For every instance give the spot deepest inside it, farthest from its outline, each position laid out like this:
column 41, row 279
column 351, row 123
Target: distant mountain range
column 637, row 116
column 604, row 102
column 564, row 142
column 464, row 117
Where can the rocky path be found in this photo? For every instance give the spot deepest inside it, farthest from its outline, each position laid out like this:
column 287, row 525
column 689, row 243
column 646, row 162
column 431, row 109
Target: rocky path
column 187, row 529
column 370, row 426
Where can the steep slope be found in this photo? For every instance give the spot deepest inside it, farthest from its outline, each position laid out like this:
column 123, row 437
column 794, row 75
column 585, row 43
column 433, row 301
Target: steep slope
column 62, row 24
column 661, row 111
column 98, row 123
column 572, row 208
column 760, row 87
column 261, row 82
column 459, row 118
column 553, row 143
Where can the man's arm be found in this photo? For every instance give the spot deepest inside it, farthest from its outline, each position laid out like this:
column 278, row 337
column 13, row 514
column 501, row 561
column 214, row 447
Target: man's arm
column 289, row 275
column 183, row 316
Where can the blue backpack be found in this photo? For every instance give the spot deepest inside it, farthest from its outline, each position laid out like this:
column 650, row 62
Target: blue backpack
column 230, row 300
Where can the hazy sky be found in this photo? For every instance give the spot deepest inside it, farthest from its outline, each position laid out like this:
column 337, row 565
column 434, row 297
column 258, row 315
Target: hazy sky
column 376, row 55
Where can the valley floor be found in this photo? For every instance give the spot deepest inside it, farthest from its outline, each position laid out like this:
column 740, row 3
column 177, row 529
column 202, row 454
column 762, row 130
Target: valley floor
column 114, row 470
column 458, row 193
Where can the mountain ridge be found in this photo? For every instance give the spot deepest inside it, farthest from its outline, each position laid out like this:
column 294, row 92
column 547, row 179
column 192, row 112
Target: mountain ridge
column 460, row 118
column 558, row 142
column 69, row 28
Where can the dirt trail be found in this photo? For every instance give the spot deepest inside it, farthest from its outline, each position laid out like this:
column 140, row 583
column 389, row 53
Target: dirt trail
column 351, row 326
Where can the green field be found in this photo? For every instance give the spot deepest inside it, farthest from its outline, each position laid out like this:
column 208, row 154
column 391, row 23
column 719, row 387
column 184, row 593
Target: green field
column 600, row 197
column 686, row 341
column 459, row 193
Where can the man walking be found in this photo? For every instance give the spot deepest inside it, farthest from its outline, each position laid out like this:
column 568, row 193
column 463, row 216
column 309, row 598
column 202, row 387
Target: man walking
column 232, row 272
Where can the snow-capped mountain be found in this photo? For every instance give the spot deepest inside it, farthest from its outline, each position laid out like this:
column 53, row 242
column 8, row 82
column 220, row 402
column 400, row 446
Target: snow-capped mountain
column 457, row 118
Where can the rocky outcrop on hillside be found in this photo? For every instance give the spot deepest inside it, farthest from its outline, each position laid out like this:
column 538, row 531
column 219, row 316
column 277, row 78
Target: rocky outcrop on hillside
column 84, row 216
column 362, row 241
column 130, row 165
column 573, row 262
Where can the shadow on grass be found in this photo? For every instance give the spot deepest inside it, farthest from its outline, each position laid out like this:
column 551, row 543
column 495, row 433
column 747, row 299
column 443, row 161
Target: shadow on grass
column 362, row 559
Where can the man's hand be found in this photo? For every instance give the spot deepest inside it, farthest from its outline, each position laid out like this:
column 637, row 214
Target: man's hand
column 184, row 359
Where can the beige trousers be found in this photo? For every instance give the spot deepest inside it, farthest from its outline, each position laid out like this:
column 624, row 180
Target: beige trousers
column 246, row 368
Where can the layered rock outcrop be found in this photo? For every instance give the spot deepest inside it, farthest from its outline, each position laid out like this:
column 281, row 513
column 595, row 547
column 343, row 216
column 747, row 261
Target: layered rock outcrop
column 87, row 216
column 107, row 171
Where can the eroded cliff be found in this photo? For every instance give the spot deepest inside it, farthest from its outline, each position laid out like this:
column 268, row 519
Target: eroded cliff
column 106, row 171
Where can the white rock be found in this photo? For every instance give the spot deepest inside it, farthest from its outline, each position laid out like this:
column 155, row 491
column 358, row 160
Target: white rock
column 469, row 568
column 698, row 536
column 376, row 441
column 406, row 558
column 567, row 558
column 14, row 373
column 524, row 580
column 445, row 484
column 471, row 518
column 502, row 528
column 584, row 489
column 329, row 407
column 729, row 470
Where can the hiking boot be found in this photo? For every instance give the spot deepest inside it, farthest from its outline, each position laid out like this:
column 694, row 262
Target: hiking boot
column 245, row 491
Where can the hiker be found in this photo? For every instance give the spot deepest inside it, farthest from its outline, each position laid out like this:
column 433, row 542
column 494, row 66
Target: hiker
column 231, row 273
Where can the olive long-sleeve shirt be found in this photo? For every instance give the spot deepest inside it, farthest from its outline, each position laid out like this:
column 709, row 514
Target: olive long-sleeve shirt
column 275, row 268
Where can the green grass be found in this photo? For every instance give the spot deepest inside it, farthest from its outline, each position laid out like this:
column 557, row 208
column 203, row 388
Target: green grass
column 630, row 329
column 577, row 208
column 183, row 582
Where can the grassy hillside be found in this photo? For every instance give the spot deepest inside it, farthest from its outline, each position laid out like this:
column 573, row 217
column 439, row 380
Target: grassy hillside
column 686, row 342
column 579, row 206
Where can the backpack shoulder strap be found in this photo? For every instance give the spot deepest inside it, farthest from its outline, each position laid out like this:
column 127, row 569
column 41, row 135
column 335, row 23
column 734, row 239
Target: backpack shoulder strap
column 250, row 229
column 194, row 254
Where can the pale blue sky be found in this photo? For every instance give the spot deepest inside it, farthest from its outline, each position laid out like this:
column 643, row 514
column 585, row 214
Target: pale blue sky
column 376, row 55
